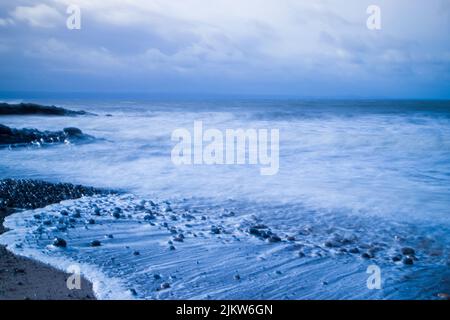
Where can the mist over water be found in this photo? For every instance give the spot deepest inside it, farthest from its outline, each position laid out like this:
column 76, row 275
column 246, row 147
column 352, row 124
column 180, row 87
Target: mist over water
column 373, row 158
column 375, row 171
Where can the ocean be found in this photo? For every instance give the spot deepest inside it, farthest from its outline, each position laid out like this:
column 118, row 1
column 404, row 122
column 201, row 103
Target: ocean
column 358, row 180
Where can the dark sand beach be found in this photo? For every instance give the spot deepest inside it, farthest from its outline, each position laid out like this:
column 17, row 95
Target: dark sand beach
column 22, row 278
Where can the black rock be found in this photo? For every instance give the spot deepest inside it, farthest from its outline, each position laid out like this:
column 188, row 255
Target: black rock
column 367, row 255
column 274, row 238
column 27, row 137
column 60, row 242
column 33, row 108
column 329, row 244
column 254, row 231
column 91, row 221
column 215, row 230
column 408, row 261
column 408, row 251
column 164, row 285
column 4, row 130
column 178, row 239
column 71, row 131
column 397, row 258
column 149, row 217
column 136, row 253
column 133, row 292
column 76, row 215
column 96, row 243
column 117, row 212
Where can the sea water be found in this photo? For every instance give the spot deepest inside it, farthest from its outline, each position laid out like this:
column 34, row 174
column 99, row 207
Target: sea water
column 370, row 175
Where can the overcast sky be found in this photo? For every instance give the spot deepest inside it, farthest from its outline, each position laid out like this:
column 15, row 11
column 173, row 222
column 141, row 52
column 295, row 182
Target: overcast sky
column 304, row 48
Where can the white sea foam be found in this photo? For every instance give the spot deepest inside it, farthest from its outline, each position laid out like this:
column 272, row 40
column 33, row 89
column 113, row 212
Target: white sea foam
column 376, row 174
column 216, row 254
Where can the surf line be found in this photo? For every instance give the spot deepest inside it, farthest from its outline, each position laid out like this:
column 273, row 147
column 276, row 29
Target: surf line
column 230, row 147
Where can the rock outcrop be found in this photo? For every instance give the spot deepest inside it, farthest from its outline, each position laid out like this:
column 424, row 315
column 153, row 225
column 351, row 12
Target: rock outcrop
column 37, row 109
column 11, row 137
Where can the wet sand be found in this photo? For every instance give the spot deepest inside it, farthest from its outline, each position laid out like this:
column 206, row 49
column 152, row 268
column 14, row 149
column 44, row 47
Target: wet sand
column 22, row 278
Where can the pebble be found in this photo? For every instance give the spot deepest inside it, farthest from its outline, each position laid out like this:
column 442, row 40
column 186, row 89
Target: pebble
column 367, row 255
column 116, row 215
column 76, row 215
column 178, row 239
column 215, row 230
column 117, row 212
column 408, row 261
column 60, row 242
column 164, row 285
column 96, row 243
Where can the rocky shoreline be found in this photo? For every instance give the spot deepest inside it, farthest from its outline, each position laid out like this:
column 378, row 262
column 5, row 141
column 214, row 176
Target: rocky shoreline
column 13, row 138
column 37, row 109
column 22, row 278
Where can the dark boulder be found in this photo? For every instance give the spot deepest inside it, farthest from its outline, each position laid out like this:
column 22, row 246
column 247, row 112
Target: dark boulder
column 408, row 261
column 96, row 243
column 60, row 242
column 71, row 131
column 4, row 130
